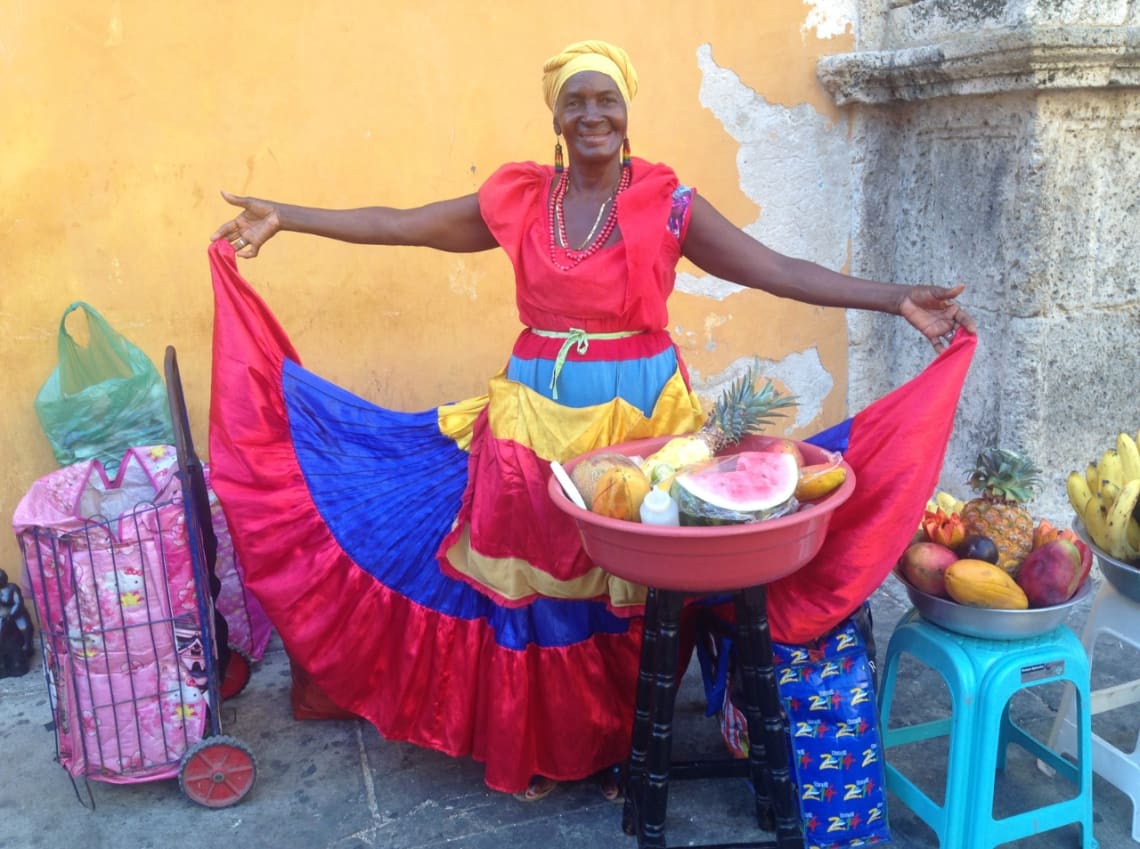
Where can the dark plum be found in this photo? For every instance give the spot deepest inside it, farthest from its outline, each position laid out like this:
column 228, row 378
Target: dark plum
column 977, row 547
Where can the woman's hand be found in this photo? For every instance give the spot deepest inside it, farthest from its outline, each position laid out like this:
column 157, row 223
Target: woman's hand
column 255, row 225
column 935, row 313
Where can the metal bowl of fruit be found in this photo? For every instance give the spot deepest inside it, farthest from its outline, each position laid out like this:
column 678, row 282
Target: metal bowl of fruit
column 709, row 558
column 1124, row 577
column 990, row 624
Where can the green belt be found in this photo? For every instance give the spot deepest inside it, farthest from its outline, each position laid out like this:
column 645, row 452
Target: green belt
column 578, row 339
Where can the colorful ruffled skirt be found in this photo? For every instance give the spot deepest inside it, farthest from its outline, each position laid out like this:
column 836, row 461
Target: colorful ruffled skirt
column 416, row 569
column 413, row 563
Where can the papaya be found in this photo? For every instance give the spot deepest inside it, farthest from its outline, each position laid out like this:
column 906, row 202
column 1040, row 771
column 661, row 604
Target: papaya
column 619, row 493
column 589, row 471
column 980, row 584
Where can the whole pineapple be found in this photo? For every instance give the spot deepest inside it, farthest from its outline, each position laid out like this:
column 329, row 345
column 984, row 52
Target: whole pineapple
column 740, row 410
column 1006, row 481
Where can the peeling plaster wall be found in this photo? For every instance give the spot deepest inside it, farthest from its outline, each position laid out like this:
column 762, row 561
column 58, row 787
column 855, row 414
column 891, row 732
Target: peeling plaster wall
column 793, row 164
column 829, row 19
column 807, row 212
column 813, row 157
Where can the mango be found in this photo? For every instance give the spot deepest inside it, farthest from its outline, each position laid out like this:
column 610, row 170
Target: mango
column 924, row 564
column 1052, row 573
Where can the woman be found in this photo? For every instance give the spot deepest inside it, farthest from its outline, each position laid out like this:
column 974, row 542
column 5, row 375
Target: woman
column 493, row 635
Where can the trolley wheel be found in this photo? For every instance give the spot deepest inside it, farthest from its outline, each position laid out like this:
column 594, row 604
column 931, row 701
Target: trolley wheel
column 239, row 669
column 217, row 772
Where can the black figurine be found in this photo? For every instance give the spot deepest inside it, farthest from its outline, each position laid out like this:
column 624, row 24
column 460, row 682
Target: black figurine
column 15, row 630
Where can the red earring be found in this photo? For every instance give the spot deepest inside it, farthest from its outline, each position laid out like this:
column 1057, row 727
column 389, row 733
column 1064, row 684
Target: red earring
column 625, row 157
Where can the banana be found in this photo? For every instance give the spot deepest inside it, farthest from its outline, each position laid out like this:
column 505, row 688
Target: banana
column 1109, row 492
column 1118, row 519
column 1096, row 522
column 1129, row 456
column 1133, row 534
column 1110, row 469
column 1078, row 489
column 1092, row 478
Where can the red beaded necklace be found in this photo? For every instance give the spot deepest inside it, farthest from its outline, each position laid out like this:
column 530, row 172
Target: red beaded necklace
column 558, row 238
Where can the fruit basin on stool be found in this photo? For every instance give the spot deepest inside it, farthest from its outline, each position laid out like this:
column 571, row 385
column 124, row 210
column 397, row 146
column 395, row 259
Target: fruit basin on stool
column 676, row 563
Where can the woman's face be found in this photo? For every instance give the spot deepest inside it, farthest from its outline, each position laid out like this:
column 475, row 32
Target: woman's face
column 591, row 114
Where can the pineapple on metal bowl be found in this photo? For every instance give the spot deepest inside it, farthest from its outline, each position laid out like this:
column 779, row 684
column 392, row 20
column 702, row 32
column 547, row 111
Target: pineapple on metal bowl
column 987, row 623
column 1005, row 481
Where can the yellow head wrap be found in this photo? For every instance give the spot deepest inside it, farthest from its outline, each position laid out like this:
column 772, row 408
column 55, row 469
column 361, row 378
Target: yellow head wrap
column 601, row 56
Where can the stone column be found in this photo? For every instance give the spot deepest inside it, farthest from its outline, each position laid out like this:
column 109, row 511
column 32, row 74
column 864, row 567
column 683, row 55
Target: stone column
column 999, row 146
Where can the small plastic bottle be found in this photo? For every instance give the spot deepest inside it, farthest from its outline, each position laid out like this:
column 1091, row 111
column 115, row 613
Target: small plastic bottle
column 657, row 508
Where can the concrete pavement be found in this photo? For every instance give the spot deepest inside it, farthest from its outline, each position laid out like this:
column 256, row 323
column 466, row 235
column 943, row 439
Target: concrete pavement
column 339, row 785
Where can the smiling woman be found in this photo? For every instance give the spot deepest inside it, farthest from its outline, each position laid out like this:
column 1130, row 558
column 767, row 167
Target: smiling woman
column 412, row 562
column 590, row 110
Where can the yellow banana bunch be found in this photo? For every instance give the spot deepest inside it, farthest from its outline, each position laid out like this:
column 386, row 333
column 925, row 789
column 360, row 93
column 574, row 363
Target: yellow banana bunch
column 1106, row 498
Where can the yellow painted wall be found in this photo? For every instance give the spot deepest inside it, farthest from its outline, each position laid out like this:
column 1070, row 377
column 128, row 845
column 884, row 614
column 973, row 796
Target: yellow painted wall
column 123, row 119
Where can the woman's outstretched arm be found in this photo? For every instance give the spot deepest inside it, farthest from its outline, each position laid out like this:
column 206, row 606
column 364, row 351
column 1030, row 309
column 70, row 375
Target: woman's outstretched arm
column 450, row 225
column 719, row 247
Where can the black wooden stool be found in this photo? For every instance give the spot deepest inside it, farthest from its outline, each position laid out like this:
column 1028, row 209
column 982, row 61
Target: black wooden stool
column 650, row 765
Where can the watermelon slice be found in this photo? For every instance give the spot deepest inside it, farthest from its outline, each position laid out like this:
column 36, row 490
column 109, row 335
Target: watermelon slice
column 742, row 487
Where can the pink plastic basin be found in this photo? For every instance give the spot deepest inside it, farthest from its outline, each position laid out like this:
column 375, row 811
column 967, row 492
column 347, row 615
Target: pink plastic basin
column 704, row 559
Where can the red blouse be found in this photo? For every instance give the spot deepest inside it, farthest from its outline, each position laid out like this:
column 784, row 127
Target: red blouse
column 621, row 287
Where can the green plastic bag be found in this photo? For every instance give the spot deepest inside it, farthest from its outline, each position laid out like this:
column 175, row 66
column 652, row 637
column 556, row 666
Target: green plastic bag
column 101, row 399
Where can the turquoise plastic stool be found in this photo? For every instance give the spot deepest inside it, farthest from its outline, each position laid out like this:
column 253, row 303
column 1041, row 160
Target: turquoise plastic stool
column 982, row 676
